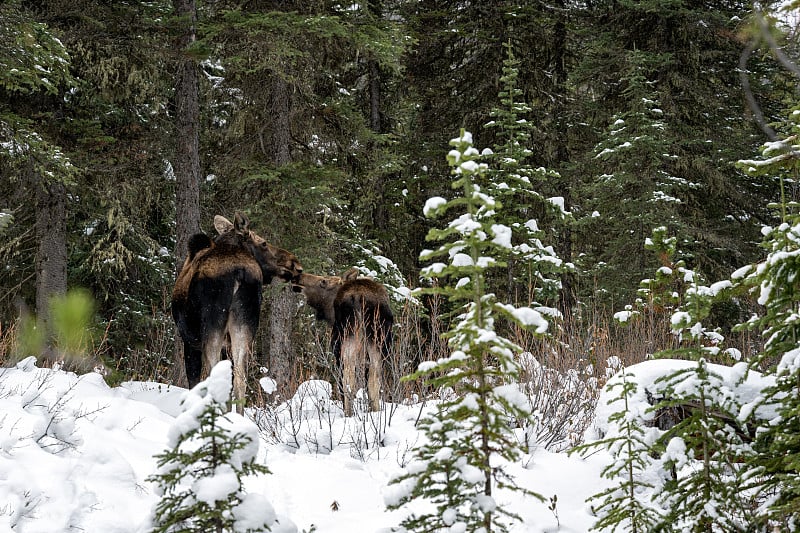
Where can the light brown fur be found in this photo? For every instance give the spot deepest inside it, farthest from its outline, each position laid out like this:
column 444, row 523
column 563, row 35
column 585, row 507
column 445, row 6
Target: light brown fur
column 358, row 309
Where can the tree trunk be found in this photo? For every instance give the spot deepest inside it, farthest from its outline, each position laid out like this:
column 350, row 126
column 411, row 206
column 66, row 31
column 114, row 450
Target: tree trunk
column 281, row 135
column 283, row 303
column 375, row 121
column 281, row 363
column 51, row 235
column 559, row 151
column 187, row 156
column 380, row 218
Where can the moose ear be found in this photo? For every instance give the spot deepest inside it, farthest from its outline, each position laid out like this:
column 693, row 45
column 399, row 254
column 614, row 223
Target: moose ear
column 241, row 223
column 350, row 274
column 222, row 224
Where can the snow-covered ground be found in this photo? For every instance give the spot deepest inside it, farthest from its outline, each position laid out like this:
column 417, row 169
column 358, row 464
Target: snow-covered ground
column 75, row 455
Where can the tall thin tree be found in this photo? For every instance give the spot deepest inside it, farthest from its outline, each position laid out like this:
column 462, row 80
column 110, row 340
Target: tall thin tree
column 186, row 164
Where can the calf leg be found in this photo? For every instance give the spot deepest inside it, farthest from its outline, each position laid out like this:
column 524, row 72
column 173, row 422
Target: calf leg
column 242, row 326
column 349, row 355
column 374, row 373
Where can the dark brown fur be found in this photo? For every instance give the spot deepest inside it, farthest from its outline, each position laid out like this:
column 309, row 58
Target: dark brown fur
column 217, row 296
column 358, row 310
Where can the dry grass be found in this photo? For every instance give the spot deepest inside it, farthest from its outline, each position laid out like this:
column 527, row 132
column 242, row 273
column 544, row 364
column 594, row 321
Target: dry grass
column 7, row 342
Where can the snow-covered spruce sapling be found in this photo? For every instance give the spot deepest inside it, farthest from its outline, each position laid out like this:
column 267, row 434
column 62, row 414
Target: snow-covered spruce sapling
column 704, row 451
column 470, row 435
column 775, row 283
column 511, row 178
column 705, row 439
column 534, row 271
column 199, row 479
column 634, row 187
column 624, row 506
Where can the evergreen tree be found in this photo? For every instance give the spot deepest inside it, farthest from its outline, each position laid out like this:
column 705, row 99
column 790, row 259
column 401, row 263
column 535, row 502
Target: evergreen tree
column 453, row 70
column 200, row 477
column 774, row 283
column 704, row 450
column 111, row 126
column 296, row 121
column 678, row 295
column 457, row 470
column 666, row 103
column 622, row 507
column 36, row 75
column 514, row 182
column 634, row 192
column 701, row 443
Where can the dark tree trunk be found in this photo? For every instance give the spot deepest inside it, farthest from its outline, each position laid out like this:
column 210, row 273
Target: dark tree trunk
column 375, row 121
column 281, row 363
column 51, row 236
column 380, row 220
column 187, row 155
column 284, row 302
column 559, row 151
column 379, row 216
column 281, row 135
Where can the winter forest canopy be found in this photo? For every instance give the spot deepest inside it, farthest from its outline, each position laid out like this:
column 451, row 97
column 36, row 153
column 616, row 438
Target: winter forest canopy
column 622, row 187
column 326, row 123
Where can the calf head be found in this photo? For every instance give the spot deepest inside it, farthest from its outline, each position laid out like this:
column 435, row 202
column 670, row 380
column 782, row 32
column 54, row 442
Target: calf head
column 274, row 261
column 320, row 291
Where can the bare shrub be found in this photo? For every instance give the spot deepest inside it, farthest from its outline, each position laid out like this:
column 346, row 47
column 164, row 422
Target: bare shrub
column 562, row 376
column 153, row 359
column 416, row 340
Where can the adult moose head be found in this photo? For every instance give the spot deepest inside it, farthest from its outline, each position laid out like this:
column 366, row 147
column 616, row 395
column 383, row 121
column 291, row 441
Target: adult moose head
column 216, row 301
column 358, row 310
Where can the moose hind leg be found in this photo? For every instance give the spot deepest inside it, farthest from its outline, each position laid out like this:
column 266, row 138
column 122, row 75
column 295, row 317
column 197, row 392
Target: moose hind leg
column 352, row 366
column 193, row 363
column 374, row 376
column 241, row 341
column 212, row 346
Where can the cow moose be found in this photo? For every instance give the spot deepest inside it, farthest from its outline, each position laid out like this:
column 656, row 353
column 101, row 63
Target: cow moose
column 358, row 310
column 216, row 301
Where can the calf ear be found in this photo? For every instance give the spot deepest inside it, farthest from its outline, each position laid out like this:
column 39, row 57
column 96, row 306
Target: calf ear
column 222, row 224
column 350, row 274
column 241, row 223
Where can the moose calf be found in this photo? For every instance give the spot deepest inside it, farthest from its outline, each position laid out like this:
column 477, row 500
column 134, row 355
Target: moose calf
column 217, row 296
column 358, row 310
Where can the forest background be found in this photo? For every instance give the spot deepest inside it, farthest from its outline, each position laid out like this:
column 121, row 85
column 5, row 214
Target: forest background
column 126, row 126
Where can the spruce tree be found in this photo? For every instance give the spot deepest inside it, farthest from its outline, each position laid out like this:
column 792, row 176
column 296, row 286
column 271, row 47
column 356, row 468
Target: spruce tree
column 35, row 167
column 533, row 266
column 622, row 507
column 633, row 191
column 675, row 64
column 200, row 477
column 470, row 434
column 100, row 115
column 704, row 451
column 701, row 448
column 775, row 283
